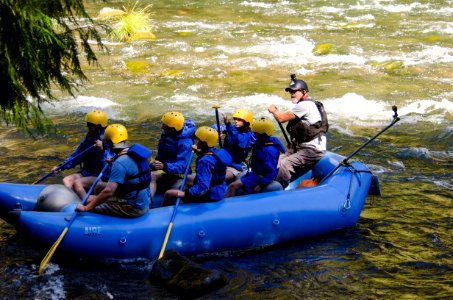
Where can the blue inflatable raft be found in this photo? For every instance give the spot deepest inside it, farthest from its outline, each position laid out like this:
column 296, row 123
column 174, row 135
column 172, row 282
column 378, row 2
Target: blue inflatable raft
column 238, row 223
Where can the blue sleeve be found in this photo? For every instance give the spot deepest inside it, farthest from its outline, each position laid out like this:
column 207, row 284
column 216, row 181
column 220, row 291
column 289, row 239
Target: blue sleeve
column 202, row 180
column 270, row 166
column 179, row 166
column 70, row 162
column 241, row 140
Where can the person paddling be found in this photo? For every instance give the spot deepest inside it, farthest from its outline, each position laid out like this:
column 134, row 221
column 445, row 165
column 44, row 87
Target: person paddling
column 94, row 158
column 308, row 139
column 238, row 141
column 264, row 159
column 127, row 192
column 209, row 184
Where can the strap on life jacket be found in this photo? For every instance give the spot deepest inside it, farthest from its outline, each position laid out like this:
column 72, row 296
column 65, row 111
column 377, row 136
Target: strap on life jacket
column 140, row 155
column 303, row 132
column 224, row 158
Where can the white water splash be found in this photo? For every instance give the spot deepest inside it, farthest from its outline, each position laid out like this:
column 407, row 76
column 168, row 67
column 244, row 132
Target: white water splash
column 54, row 287
column 81, row 104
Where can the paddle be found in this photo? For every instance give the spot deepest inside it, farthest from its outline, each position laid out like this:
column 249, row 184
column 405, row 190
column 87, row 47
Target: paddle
column 52, row 249
column 283, row 130
column 170, row 225
column 63, row 164
column 216, row 107
column 345, row 161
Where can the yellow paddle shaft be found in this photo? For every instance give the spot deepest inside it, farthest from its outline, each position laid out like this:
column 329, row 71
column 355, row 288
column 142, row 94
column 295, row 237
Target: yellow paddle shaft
column 164, row 245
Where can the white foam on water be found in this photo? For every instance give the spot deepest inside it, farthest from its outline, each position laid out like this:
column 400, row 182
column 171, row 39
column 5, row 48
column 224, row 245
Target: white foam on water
column 196, row 26
column 365, row 17
column 330, row 9
column 53, row 288
column 389, row 7
column 398, row 164
column 80, row 104
column 443, row 27
column 257, row 4
column 364, row 111
column 354, row 106
column 423, row 107
column 275, row 8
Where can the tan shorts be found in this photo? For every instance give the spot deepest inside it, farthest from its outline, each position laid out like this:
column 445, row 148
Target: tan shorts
column 119, row 207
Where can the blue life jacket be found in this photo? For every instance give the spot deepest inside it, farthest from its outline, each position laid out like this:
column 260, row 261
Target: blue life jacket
column 211, row 165
column 92, row 161
column 264, row 158
column 238, row 145
column 174, row 149
column 219, row 171
column 140, row 154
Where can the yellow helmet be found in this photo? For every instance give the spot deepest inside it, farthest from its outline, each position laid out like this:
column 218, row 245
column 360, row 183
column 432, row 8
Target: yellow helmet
column 243, row 115
column 116, row 133
column 263, row 125
column 208, row 135
column 173, row 119
column 96, row 117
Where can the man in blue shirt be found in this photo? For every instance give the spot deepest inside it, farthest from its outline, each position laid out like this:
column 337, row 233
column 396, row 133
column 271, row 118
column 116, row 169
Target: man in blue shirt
column 127, row 192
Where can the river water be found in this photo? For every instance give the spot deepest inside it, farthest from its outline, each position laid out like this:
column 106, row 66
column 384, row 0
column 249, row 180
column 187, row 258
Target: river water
column 239, row 54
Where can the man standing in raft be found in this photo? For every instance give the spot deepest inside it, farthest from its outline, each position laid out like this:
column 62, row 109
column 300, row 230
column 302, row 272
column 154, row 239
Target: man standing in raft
column 307, row 125
column 127, row 192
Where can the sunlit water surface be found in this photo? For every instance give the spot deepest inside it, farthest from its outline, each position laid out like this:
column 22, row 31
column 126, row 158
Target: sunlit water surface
column 239, row 54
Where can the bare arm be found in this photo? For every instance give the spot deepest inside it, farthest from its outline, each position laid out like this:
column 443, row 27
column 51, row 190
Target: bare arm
column 282, row 117
column 106, row 193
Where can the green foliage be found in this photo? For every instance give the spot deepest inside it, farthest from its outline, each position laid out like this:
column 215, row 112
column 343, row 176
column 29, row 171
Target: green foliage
column 39, row 46
column 135, row 23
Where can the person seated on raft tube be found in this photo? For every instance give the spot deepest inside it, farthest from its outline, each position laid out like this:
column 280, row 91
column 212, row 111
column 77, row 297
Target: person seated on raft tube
column 264, row 159
column 91, row 161
column 127, row 192
column 238, row 141
column 209, row 183
column 302, row 154
column 175, row 145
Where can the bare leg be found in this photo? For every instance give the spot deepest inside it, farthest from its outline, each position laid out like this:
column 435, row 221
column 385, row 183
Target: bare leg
column 69, row 180
column 232, row 188
column 169, row 198
column 83, row 184
column 155, row 177
column 80, row 184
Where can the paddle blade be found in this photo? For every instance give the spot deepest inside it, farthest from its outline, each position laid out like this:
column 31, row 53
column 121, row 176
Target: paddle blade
column 51, row 251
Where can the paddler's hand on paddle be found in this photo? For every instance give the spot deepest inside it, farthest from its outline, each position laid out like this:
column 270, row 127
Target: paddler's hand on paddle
column 81, row 207
column 195, row 149
column 56, row 169
column 157, row 165
column 99, row 144
column 272, row 108
column 225, row 120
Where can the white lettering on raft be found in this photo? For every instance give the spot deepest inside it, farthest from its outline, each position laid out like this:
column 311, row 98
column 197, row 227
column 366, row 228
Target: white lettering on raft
column 92, row 230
